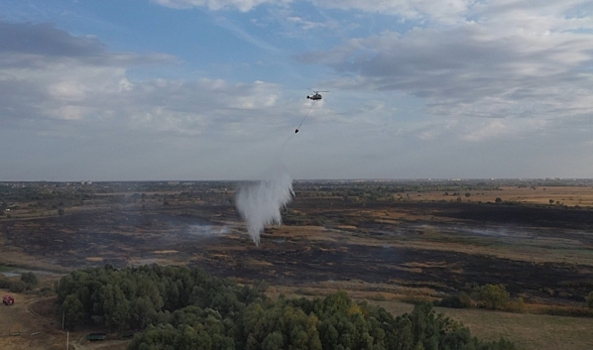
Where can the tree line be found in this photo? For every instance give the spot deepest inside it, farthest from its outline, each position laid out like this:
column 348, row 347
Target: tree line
column 27, row 282
column 488, row 296
column 186, row 308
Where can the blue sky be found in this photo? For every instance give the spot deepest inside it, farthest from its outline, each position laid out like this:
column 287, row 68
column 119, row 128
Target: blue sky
column 213, row 89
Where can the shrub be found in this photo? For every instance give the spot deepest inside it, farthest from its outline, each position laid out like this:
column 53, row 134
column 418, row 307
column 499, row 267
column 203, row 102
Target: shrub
column 29, row 279
column 17, row 287
column 45, row 292
column 465, row 300
column 517, row 305
column 494, row 296
column 451, row 301
column 4, row 282
column 460, row 301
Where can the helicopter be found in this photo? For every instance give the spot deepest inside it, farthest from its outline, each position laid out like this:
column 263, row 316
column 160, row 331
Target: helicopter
column 316, row 95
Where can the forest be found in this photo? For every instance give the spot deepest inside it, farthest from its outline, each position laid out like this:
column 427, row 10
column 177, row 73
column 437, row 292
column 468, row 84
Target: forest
column 175, row 307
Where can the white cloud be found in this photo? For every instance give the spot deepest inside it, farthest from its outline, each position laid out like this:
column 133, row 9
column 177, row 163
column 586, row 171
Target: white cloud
column 214, row 5
column 487, row 129
column 305, row 24
column 89, row 85
column 119, row 125
column 479, row 68
column 447, row 12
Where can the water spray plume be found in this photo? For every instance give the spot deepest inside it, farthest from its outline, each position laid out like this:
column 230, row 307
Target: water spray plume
column 259, row 204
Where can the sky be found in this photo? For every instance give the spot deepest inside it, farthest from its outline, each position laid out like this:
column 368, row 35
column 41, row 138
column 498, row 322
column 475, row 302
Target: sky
column 140, row 90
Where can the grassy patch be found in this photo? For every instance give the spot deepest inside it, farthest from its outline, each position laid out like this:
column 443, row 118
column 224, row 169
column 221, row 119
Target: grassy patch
column 527, row 331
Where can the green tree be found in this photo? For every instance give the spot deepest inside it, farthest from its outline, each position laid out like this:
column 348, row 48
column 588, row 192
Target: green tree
column 404, row 337
column 142, row 313
column 465, row 300
column 163, row 337
column 273, row 341
column 115, row 306
column 494, row 296
column 29, row 279
column 197, row 311
column 73, row 312
column 17, row 287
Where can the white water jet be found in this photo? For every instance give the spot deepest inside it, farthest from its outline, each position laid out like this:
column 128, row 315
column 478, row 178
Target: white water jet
column 259, row 204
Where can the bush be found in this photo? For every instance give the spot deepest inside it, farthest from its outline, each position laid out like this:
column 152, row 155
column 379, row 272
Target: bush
column 17, row 287
column 461, row 301
column 45, row 292
column 494, row 296
column 4, row 282
column 465, row 300
column 451, row 301
column 517, row 305
column 29, row 279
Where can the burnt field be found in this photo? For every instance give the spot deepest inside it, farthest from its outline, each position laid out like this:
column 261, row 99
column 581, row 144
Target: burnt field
column 543, row 253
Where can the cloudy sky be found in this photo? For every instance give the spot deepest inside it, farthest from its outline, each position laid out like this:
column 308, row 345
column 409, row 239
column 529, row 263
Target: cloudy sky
column 213, row 89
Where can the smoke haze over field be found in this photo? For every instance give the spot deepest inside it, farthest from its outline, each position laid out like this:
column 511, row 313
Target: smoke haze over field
column 208, row 230
column 259, row 204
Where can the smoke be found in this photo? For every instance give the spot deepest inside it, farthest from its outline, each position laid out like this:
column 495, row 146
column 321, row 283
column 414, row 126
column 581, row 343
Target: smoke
column 259, row 204
column 207, row 230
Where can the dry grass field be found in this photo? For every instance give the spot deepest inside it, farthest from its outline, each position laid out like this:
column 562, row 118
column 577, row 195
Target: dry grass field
column 528, row 332
column 405, row 246
column 559, row 195
column 31, row 324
